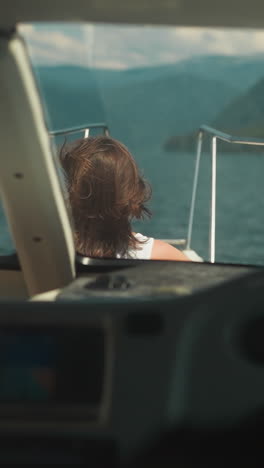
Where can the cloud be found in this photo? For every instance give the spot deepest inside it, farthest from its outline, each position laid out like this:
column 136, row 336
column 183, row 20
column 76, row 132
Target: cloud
column 134, row 46
column 145, row 46
column 120, row 47
column 67, row 45
column 219, row 41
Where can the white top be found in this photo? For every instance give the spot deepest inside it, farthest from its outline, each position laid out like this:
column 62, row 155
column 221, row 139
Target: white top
column 144, row 250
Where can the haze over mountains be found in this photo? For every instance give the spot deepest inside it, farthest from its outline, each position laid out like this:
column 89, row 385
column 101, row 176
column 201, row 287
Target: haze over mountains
column 159, row 105
column 241, row 72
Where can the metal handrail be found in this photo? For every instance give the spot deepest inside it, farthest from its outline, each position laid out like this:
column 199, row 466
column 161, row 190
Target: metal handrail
column 215, row 135
column 231, row 138
column 86, row 128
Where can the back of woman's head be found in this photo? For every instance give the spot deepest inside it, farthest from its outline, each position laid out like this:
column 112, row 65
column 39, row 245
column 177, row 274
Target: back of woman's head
column 105, row 191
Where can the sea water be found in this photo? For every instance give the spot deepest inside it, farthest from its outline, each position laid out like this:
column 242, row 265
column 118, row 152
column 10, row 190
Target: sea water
column 239, row 203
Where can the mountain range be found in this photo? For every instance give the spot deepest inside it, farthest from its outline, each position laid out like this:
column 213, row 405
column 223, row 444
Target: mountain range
column 243, row 116
column 158, row 105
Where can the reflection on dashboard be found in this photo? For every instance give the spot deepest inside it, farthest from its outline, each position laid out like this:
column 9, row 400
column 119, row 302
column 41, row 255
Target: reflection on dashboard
column 33, row 362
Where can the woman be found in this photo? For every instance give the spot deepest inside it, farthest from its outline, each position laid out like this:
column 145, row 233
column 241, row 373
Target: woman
column 106, row 191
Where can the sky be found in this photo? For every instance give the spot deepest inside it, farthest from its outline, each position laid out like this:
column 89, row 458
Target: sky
column 122, row 47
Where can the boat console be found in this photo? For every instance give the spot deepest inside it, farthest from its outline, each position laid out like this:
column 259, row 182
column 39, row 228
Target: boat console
column 128, row 279
column 95, row 376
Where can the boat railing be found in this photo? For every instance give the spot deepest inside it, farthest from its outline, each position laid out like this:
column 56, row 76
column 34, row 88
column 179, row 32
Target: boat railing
column 78, row 129
column 214, row 135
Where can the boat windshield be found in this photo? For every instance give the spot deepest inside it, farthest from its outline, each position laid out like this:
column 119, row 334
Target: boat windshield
column 152, row 87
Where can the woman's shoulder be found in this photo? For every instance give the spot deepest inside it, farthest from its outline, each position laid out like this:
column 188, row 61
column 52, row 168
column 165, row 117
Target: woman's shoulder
column 156, row 249
column 163, row 251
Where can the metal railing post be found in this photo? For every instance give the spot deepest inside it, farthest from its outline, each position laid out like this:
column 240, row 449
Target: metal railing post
column 194, row 191
column 213, row 203
column 215, row 134
column 86, row 128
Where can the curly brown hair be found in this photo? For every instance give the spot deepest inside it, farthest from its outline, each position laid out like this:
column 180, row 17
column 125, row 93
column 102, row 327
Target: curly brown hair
column 106, row 191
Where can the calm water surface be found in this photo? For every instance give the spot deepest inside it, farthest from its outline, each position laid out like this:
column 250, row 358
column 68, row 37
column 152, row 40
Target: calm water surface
column 240, row 203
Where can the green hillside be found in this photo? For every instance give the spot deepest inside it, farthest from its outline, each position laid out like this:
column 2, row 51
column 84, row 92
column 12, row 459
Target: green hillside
column 241, row 72
column 149, row 106
column 149, row 112
column 70, row 96
column 244, row 116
